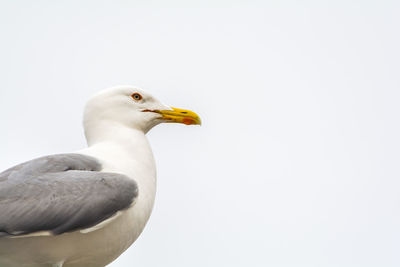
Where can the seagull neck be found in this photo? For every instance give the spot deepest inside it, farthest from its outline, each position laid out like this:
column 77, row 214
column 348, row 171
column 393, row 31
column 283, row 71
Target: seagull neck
column 115, row 133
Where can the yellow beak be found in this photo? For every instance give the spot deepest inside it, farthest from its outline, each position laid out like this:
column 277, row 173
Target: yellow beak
column 180, row 116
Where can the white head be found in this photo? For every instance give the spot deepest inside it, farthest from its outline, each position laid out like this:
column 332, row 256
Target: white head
column 132, row 107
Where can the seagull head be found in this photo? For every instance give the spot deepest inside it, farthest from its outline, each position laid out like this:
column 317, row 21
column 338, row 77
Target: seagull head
column 135, row 108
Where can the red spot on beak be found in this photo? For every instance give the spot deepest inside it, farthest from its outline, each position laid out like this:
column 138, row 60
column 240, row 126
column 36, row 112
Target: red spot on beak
column 188, row 121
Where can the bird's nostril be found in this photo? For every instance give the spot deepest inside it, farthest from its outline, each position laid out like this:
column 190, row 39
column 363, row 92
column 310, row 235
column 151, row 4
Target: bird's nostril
column 183, row 112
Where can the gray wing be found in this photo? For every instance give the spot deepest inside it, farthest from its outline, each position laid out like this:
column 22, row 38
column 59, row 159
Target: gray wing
column 60, row 193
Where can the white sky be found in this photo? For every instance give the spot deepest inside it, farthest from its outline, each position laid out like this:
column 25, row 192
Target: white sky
column 297, row 161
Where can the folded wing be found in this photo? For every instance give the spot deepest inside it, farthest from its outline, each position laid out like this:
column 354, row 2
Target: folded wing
column 61, row 193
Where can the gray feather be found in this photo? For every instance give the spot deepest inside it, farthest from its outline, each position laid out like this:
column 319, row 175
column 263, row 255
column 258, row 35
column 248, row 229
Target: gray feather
column 60, row 193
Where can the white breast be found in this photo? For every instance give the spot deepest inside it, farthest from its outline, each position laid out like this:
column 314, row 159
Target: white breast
column 136, row 162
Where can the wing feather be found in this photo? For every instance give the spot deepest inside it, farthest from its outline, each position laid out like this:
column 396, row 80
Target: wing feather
column 61, row 193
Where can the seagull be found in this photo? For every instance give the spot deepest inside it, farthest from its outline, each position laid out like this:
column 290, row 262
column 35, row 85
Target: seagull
column 84, row 209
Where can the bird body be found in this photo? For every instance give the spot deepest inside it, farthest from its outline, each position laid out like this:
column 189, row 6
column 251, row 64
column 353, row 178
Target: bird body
column 125, row 176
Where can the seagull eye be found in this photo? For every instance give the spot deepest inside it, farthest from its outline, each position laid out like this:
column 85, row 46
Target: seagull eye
column 137, row 96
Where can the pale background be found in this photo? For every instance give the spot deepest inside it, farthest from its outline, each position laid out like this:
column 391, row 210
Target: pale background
column 297, row 162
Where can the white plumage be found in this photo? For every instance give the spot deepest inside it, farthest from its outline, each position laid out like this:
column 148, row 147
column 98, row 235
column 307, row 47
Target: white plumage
column 116, row 121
